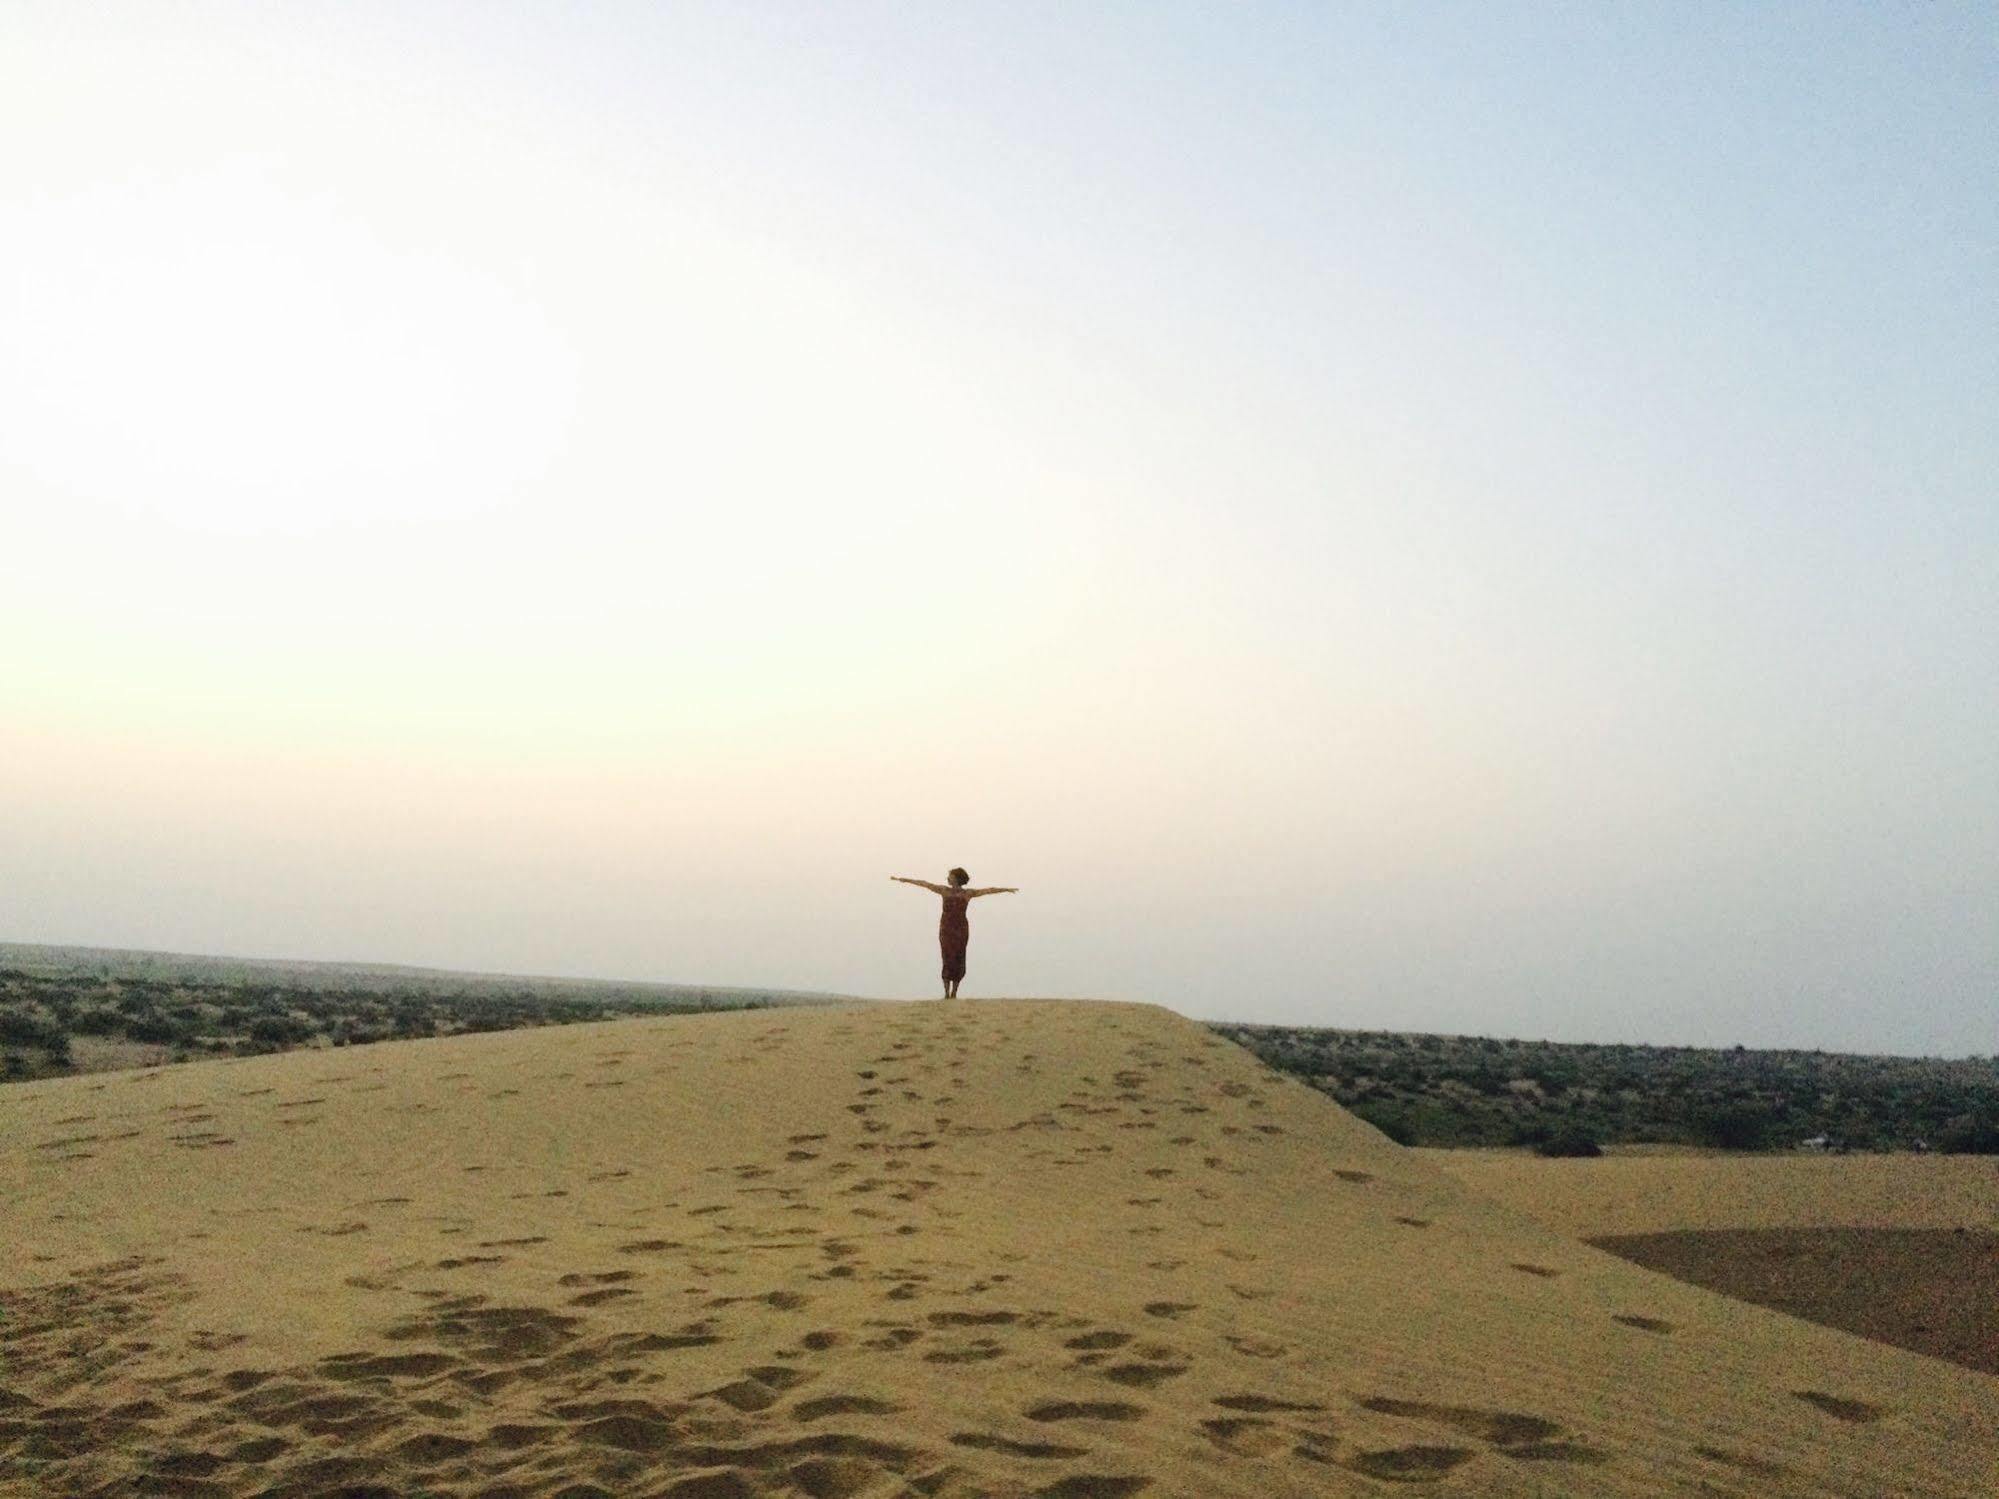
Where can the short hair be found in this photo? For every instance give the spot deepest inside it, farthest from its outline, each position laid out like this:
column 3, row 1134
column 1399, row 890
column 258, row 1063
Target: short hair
column 959, row 877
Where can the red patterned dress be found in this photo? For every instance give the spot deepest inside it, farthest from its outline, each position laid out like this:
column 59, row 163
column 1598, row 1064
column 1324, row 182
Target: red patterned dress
column 954, row 930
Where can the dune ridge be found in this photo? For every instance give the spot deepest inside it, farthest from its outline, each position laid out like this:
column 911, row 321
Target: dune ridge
column 1061, row 1249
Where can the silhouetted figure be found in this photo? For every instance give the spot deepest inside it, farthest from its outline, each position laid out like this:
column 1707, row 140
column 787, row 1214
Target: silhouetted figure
column 954, row 928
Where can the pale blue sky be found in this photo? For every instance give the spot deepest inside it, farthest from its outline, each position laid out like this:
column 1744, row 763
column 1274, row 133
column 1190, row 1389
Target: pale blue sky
column 1470, row 518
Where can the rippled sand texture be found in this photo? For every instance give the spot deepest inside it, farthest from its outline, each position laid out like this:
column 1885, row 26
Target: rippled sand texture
column 1656, row 1189
column 1901, row 1248
column 983, row 1248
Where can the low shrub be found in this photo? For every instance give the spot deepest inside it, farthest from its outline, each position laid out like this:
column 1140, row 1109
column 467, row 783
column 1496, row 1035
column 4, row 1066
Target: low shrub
column 1969, row 1134
column 276, row 1032
column 1732, row 1126
column 1568, row 1143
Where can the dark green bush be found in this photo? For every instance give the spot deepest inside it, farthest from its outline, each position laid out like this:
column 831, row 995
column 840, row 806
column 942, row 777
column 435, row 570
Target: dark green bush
column 18, row 1029
column 1568, row 1143
column 278, row 1031
column 1970, row 1134
column 154, row 1029
column 1732, row 1126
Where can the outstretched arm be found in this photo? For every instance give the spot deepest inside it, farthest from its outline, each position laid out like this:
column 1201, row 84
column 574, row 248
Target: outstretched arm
column 996, row 890
column 903, row 879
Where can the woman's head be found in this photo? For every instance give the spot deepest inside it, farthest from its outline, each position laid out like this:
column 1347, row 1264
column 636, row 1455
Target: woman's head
column 959, row 877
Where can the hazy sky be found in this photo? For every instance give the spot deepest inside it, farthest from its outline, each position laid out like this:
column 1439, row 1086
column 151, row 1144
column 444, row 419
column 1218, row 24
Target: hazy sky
column 1468, row 518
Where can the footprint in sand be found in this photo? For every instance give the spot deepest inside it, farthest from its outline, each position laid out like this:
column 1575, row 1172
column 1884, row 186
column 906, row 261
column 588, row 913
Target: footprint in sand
column 68, row 1141
column 1259, row 1347
column 1524, row 1438
column 1085, row 1410
column 1042, row 1451
column 369, row 1365
column 1643, row 1324
column 1094, row 1486
column 843, row 1405
column 1840, row 1409
column 976, row 1351
column 1097, row 1342
column 1244, row 1436
column 1410, row 1464
column 759, row 1388
column 1264, row 1404
column 1761, row 1467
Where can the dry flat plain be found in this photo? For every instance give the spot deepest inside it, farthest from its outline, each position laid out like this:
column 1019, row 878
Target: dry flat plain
column 1005, row 1248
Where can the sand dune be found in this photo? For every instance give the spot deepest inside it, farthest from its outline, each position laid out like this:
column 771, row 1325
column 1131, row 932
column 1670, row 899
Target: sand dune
column 1900, row 1248
column 1662, row 1191
column 1028, row 1248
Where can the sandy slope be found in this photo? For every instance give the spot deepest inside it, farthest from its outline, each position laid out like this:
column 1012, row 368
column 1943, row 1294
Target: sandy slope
column 986, row 1248
column 1664, row 1192
column 1901, row 1248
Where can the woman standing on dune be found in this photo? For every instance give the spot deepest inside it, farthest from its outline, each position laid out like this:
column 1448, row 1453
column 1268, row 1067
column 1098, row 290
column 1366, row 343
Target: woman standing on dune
column 954, row 927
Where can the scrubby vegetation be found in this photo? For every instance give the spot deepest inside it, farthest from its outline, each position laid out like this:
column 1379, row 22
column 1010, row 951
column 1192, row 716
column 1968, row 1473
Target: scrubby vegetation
column 1564, row 1098
column 71, row 1010
column 1568, row 1141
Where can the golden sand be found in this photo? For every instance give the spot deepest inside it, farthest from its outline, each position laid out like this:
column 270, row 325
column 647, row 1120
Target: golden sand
column 1900, row 1248
column 1652, row 1192
column 999, row 1248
